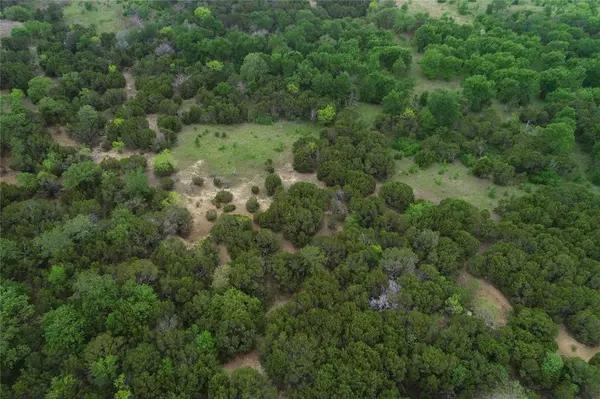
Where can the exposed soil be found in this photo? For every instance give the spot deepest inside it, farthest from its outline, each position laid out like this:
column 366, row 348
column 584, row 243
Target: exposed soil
column 488, row 302
column 224, row 256
column 7, row 175
column 280, row 301
column 60, row 135
column 129, row 85
column 289, row 176
column 566, row 343
column 250, row 359
column 7, row 26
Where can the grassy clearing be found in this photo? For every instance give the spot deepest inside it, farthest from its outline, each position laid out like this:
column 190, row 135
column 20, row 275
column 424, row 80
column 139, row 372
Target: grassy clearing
column 368, row 112
column 245, row 148
column 452, row 181
column 106, row 15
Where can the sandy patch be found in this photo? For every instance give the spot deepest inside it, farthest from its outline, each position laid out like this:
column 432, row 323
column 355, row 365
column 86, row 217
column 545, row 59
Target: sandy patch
column 60, row 135
column 488, row 302
column 224, row 256
column 280, row 300
column 7, row 26
column 289, row 176
column 250, row 359
column 566, row 343
column 7, row 175
column 129, row 85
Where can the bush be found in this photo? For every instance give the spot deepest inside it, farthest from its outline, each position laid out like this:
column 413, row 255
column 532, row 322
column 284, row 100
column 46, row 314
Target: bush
column 133, row 163
column 170, row 122
column 272, row 181
column 483, row 167
column 229, row 208
column 223, row 196
column 255, row 190
column 167, row 183
column 198, row 181
column 252, row 205
column 211, row 215
column 503, row 173
column 163, row 164
column 220, row 181
column 397, row 195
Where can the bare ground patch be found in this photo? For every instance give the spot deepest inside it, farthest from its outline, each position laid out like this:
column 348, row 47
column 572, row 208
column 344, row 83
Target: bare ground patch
column 289, row 176
column 60, row 135
column 7, row 26
column 488, row 302
column 250, row 359
column 7, row 175
column 280, row 300
column 568, row 346
column 129, row 84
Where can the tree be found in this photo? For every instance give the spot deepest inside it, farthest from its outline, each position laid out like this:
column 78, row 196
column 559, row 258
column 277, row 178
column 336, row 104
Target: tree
column 252, row 205
column 82, row 176
column 272, row 181
column 247, row 383
column 163, row 164
column 326, row 114
column 483, row 167
column 558, row 137
column 254, row 67
column 85, row 128
column 445, row 106
column 586, row 326
column 397, row 195
column 479, row 91
column 16, row 314
column 236, row 319
column 431, row 63
column 38, row 88
column 63, row 330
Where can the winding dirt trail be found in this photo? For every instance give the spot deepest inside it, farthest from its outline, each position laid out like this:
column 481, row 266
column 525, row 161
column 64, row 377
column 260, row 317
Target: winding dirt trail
column 568, row 346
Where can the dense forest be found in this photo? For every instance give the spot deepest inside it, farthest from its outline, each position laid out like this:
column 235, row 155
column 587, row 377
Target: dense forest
column 104, row 294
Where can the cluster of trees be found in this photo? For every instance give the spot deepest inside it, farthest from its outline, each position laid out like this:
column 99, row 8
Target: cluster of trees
column 547, row 257
column 100, row 297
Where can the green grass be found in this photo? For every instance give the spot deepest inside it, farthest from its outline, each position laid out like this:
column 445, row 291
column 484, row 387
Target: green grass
column 455, row 182
column 368, row 112
column 244, row 150
column 107, row 15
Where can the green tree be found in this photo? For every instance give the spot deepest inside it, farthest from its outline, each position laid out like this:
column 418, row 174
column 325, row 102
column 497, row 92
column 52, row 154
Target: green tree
column 397, row 195
column 559, row 137
column 479, row 91
column 272, row 181
column 63, row 330
column 445, row 106
column 85, row 128
column 38, row 88
column 254, row 67
column 248, row 383
column 16, row 314
column 326, row 114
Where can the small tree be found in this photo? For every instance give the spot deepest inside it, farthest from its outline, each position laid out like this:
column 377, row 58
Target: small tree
column 272, row 181
column 164, row 164
column 479, row 91
column 223, row 196
column 483, row 167
column 38, row 88
column 252, row 205
column 397, row 195
column 326, row 114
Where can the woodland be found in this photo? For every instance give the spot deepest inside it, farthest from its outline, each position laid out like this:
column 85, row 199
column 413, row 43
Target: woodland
column 343, row 282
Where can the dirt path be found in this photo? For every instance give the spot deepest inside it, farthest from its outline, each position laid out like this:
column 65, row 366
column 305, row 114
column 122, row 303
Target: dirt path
column 488, row 302
column 129, row 85
column 250, row 359
column 568, row 346
column 280, row 301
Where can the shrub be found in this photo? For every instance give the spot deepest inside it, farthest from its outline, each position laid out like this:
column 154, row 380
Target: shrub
column 198, row 181
column 255, row 190
column 163, row 164
column 397, row 195
column 503, row 173
column 133, row 163
column 483, row 167
column 223, row 196
column 118, row 146
column 272, row 181
column 220, row 181
column 252, row 205
column 211, row 215
column 170, row 122
column 229, row 208
column 167, row 183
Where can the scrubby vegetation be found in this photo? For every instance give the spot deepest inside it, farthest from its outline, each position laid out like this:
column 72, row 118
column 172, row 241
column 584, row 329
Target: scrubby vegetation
column 106, row 289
